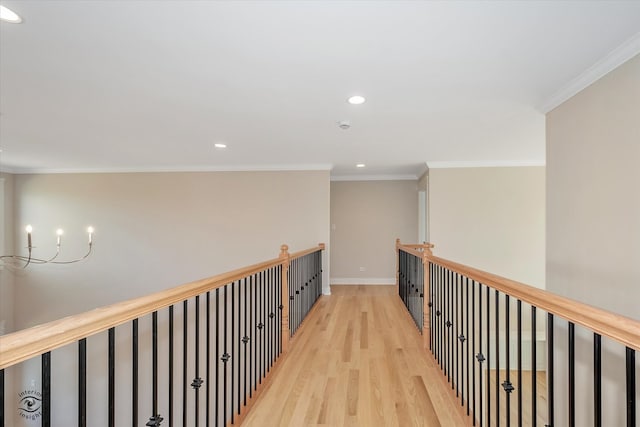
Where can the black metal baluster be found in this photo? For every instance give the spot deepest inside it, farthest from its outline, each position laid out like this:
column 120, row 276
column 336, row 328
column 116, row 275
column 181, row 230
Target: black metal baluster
column 185, row 332
column 270, row 319
column 112, row 376
column 534, row 369
column 245, row 341
column 155, row 419
column 488, row 356
column 134, row 374
column 217, row 410
column 225, row 356
column 2, row 398
column 82, row 384
column 197, row 381
column 497, row 308
column 238, row 353
column 473, row 345
column 572, row 375
column 449, row 324
column 170, row 391
column 631, row 386
column 430, row 305
column 208, row 361
column 233, row 353
column 597, row 380
column 264, row 323
column 466, row 357
column 46, row 389
column 550, row 379
column 457, row 334
column 519, row 321
column 259, row 297
column 508, row 387
column 252, row 342
column 480, row 356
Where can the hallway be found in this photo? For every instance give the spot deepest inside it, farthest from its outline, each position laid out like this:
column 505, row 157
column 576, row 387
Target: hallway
column 357, row 361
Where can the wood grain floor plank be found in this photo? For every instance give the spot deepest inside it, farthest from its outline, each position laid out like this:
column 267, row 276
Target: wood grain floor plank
column 357, row 360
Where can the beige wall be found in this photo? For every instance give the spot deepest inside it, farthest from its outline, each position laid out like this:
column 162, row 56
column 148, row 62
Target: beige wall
column 593, row 193
column 490, row 218
column 157, row 230
column 366, row 218
column 6, row 247
column 593, row 224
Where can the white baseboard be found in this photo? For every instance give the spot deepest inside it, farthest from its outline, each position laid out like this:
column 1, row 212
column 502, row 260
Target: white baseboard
column 363, row 281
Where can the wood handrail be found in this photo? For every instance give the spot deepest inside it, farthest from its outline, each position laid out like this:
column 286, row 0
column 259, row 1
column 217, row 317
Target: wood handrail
column 27, row 343
column 623, row 329
column 300, row 254
column 411, row 250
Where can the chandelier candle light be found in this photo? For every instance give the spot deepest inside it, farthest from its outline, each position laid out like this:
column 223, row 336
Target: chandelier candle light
column 13, row 260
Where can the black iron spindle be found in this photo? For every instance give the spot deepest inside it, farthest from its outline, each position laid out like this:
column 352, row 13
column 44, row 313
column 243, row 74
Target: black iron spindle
column 197, row 381
column 456, row 333
column 134, row 373
column 225, row 356
column 208, row 360
column 46, row 390
column 82, row 383
column 519, row 345
column 217, row 400
column 2, row 397
column 572, row 375
column 597, row 380
column 550, row 379
column 233, row 353
column 112, row 376
column 467, row 354
column 480, row 356
column 508, row 387
column 534, row 369
column 170, row 391
column 631, row 386
column 473, row 345
column 488, row 356
column 245, row 341
column 185, row 332
column 155, row 419
column 497, row 338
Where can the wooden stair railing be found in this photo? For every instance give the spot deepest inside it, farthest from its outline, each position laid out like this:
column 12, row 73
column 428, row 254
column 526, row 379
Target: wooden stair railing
column 235, row 324
column 489, row 351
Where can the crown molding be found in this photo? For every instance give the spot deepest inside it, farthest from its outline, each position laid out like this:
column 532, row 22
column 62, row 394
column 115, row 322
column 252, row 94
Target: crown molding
column 169, row 169
column 613, row 60
column 485, row 164
column 374, row 178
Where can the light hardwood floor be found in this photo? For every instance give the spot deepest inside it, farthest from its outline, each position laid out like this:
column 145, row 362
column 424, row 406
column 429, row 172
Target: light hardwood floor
column 357, row 361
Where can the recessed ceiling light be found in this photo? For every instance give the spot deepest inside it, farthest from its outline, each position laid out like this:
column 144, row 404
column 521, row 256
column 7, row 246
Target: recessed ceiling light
column 360, row 165
column 356, row 100
column 9, row 15
column 220, row 145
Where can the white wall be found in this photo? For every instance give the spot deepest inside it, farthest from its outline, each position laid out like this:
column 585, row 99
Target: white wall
column 366, row 219
column 593, row 222
column 490, row 218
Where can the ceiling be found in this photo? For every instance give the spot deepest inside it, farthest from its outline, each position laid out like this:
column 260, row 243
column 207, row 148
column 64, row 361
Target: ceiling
column 152, row 85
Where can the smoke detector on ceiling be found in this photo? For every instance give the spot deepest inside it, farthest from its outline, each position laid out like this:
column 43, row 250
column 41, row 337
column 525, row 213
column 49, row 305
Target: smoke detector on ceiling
column 344, row 124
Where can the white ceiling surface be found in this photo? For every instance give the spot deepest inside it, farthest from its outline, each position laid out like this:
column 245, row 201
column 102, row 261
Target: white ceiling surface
column 152, row 85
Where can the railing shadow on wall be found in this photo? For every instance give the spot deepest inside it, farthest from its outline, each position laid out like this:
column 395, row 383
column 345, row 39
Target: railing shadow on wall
column 196, row 354
column 562, row 362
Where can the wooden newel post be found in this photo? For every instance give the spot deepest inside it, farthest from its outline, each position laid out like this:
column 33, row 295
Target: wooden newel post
column 397, row 263
column 284, row 256
column 426, row 333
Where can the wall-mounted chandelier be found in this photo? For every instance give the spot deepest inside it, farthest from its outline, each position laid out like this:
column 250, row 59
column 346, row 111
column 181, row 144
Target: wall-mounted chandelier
column 23, row 261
